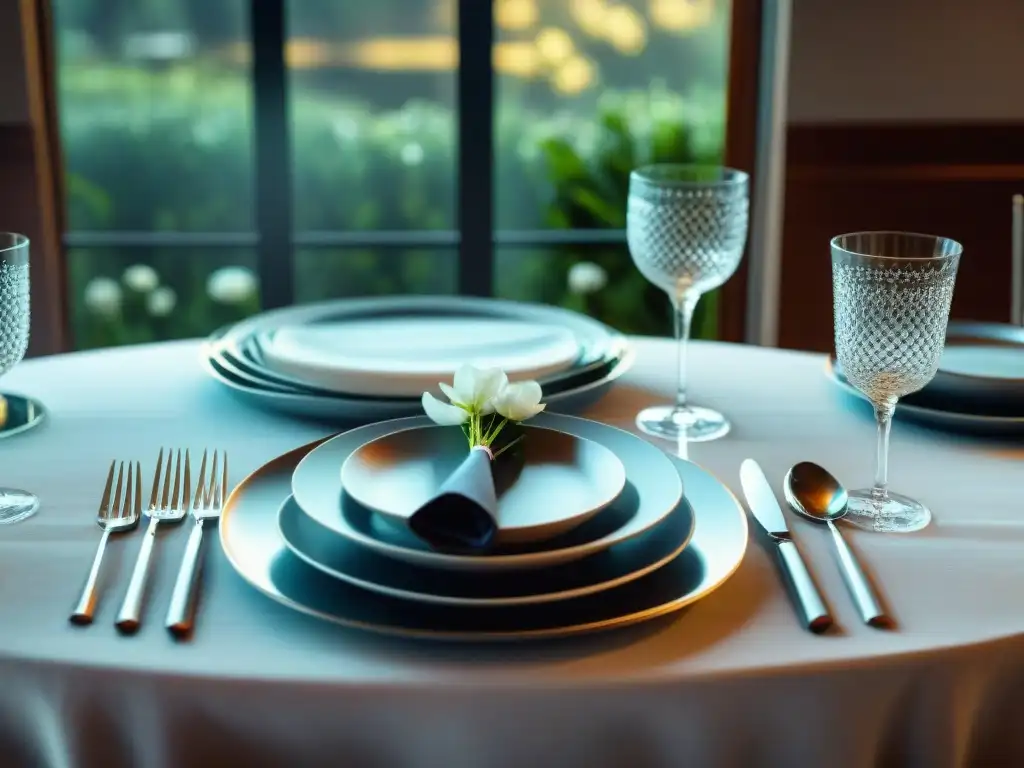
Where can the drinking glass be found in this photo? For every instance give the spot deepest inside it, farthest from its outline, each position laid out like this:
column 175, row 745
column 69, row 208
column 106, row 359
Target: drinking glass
column 891, row 294
column 14, row 320
column 686, row 226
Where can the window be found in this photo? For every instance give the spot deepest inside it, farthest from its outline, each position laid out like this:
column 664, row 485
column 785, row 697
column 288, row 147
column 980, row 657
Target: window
column 218, row 161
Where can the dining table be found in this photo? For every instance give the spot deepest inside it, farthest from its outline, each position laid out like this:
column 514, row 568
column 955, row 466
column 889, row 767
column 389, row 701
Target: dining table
column 733, row 680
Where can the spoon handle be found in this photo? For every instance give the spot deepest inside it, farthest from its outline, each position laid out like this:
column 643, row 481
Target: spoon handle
column 857, row 581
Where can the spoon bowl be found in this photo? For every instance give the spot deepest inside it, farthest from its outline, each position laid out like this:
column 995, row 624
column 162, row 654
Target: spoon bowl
column 813, row 492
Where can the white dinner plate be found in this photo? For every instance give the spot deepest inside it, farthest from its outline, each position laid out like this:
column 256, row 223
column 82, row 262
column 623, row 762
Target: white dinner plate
column 253, row 544
column 561, row 482
column 408, row 355
column 652, row 491
column 351, row 410
column 613, row 567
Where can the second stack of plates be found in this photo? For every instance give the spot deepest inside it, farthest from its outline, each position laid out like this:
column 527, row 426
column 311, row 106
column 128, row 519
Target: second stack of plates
column 371, row 359
column 642, row 547
column 978, row 388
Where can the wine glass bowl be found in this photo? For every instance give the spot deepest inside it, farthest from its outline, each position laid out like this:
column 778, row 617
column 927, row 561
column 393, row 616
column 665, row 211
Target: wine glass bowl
column 15, row 505
column 891, row 297
column 686, row 226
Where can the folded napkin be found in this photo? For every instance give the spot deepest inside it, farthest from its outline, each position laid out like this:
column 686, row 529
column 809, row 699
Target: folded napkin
column 463, row 514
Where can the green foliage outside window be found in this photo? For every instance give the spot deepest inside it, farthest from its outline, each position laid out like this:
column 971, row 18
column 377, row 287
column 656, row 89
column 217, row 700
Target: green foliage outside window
column 172, row 151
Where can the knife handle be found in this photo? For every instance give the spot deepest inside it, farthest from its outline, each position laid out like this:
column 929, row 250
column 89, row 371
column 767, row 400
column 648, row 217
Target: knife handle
column 813, row 608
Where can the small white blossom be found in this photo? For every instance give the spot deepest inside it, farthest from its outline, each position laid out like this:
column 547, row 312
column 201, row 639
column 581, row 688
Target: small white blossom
column 442, row 413
column 412, row 154
column 475, row 388
column 586, row 277
column 103, row 296
column 231, row 285
column 141, row 278
column 161, row 302
column 519, row 401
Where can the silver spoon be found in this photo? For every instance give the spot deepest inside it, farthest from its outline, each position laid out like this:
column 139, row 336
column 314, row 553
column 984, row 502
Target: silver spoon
column 814, row 493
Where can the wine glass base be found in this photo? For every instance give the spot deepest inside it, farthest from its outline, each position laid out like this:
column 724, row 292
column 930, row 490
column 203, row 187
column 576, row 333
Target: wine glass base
column 692, row 424
column 894, row 514
column 16, row 506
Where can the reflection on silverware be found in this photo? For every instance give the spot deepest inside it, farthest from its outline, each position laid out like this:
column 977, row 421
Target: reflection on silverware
column 765, row 508
column 814, row 493
column 208, row 503
column 118, row 513
column 169, row 503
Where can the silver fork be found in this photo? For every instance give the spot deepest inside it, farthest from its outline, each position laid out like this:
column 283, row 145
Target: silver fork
column 167, row 503
column 209, row 500
column 116, row 515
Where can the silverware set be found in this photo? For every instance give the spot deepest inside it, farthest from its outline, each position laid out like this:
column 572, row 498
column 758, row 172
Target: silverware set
column 812, row 493
column 172, row 498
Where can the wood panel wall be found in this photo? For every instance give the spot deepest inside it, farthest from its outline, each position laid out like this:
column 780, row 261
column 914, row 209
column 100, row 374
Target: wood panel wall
column 951, row 180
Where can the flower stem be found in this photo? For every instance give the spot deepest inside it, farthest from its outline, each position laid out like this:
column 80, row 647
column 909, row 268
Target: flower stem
column 505, row 448
column 488, row 439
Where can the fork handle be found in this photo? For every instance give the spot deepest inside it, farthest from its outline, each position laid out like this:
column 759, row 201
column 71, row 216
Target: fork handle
column 130, row 618
column 182, row 611
column 85, row 608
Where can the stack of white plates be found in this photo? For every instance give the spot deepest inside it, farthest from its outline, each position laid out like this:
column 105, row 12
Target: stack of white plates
column 369, row 359
column 979, row 385
column 303, row 532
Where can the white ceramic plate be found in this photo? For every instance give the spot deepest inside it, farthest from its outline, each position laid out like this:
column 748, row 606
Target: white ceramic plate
column 564, row 479
column 339, row 409
column 652, row 491
column 253, row 545
column 407, row 355
column 608, row 569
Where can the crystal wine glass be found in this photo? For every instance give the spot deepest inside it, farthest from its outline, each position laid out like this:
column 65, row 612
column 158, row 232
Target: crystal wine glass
column 892, row 292
column 686, row 226
column 14, row 320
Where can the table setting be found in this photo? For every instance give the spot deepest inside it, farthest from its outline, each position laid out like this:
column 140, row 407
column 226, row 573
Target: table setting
column 457, row 531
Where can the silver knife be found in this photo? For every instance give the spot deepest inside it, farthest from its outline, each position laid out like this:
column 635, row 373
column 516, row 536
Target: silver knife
column 765, row 508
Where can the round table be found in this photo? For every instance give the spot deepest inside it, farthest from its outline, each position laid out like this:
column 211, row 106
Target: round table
column 734, row 680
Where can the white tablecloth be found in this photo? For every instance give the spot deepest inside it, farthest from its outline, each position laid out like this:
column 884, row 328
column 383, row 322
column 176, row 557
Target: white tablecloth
column 732, row 681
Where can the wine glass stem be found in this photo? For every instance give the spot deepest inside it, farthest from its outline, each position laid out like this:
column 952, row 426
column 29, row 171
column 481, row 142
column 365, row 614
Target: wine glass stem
column 684, row 304
column 883, row 414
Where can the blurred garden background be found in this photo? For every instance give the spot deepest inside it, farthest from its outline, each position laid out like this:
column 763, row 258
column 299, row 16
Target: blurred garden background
column 155, row 103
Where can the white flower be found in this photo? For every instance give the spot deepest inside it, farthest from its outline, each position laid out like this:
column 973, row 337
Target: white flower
column 442, row 413
column 231, row 285
column 160, row 303
column 103, row 296
column 475, row 388
column 587, row 277
column 519, row 401
column 141, row 278
column 412, row 154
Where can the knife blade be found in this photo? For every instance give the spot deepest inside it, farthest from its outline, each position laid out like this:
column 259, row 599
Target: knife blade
column 766, row 510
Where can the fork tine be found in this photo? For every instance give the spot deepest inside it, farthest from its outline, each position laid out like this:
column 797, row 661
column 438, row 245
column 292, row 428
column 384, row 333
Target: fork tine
column 138, row 490
column 167, row 479
column 188, row 481
column 156, row 480
column 129, row 494
column 105, row 500
column 115, row 502
column 223, row 481
column 201, row 483
column 177, row 480
column 213, row 479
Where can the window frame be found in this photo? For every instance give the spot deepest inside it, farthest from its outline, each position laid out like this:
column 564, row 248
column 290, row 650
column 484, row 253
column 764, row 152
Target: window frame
column 476, row 238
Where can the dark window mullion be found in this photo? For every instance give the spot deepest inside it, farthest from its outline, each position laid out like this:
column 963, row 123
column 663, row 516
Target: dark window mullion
column 273, row 193
column 476, row 147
